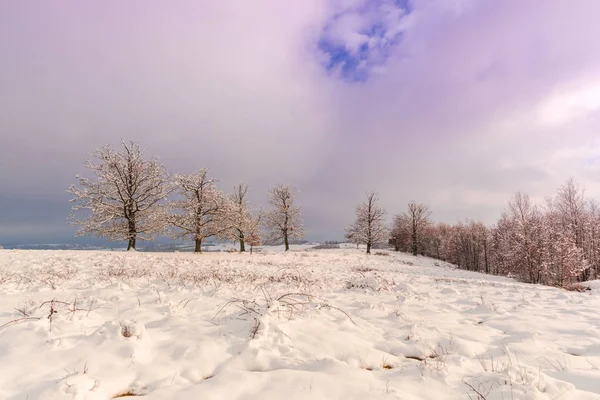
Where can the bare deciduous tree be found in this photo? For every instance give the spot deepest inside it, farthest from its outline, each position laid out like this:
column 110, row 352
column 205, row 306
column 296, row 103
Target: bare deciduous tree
column 571, row 206
column 125, row 200
column 242, row 217
column 525, row 228
column 418, row 215
column 567, row 238
column 400, row 235
column 369, row 227
column 253, row 237
column 202, row 211
column 554, row 245
column 284, row 221
column 409, row 228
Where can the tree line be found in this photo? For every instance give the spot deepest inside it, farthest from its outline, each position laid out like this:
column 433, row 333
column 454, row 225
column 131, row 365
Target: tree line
column 555, row 243
column 132, row 197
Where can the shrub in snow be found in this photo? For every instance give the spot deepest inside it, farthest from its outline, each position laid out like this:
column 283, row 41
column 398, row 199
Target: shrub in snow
column 577, row 287
column 131, row 328
column 326, row 246
column 54, row 277
column 365, row 283
column 6, row 276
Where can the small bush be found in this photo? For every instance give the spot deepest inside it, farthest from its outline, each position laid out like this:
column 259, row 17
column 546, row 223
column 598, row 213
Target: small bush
column 576, row 287
column 326, row 246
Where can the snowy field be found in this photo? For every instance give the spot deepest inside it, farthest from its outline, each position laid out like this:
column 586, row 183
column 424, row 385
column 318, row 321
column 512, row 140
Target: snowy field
column 327, row 324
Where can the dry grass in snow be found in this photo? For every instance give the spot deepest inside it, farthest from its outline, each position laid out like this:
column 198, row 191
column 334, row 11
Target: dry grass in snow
column 330, row 324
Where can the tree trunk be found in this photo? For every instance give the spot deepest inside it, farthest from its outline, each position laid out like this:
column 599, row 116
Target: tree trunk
column 286, row 241
column 368, row 248
column 198, row 247
column 132, row 233
column 485, row 254
column 415, row 248
column 242, row 244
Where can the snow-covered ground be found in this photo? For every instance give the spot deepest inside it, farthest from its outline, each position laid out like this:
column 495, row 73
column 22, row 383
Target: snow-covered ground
column 330, row 324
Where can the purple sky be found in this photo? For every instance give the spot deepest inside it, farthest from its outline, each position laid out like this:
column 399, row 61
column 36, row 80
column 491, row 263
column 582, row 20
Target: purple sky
column 455, row 103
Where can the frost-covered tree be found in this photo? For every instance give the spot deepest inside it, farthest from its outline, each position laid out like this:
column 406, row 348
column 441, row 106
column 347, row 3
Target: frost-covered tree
column 369, row 227
column 570, row 207
column 352, row 238
column 253, row 235
column 500, row 246
column 592, row 244
column 418, row 214
column 400, row 233
column 566, row 237
column 201, row 211
column 563, row 260
column 481, row 236
column 124, row 200
column 438, row 245
column 242, row 218
column 409, row 229
column 558, row 244
column 525, row 227
column 283, row 221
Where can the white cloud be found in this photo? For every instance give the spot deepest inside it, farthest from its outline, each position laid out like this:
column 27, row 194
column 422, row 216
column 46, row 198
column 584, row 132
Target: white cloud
column 575, row 101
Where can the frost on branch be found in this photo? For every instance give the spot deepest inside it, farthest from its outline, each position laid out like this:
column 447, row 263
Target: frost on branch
column 124, row 200
column 202, row 211
column 283, row 221
column 369, row 227
column 243, row 220
column 253, row 237
column 553, row 244
column 409, row 229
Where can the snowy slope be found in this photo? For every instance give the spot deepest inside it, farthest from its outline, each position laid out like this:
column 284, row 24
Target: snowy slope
column 331, row 324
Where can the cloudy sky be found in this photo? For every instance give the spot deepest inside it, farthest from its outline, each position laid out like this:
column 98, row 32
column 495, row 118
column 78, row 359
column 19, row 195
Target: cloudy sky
column 455, row 103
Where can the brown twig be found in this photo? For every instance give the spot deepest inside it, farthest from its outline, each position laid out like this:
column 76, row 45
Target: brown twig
column 19, row 320
column 255, row 329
